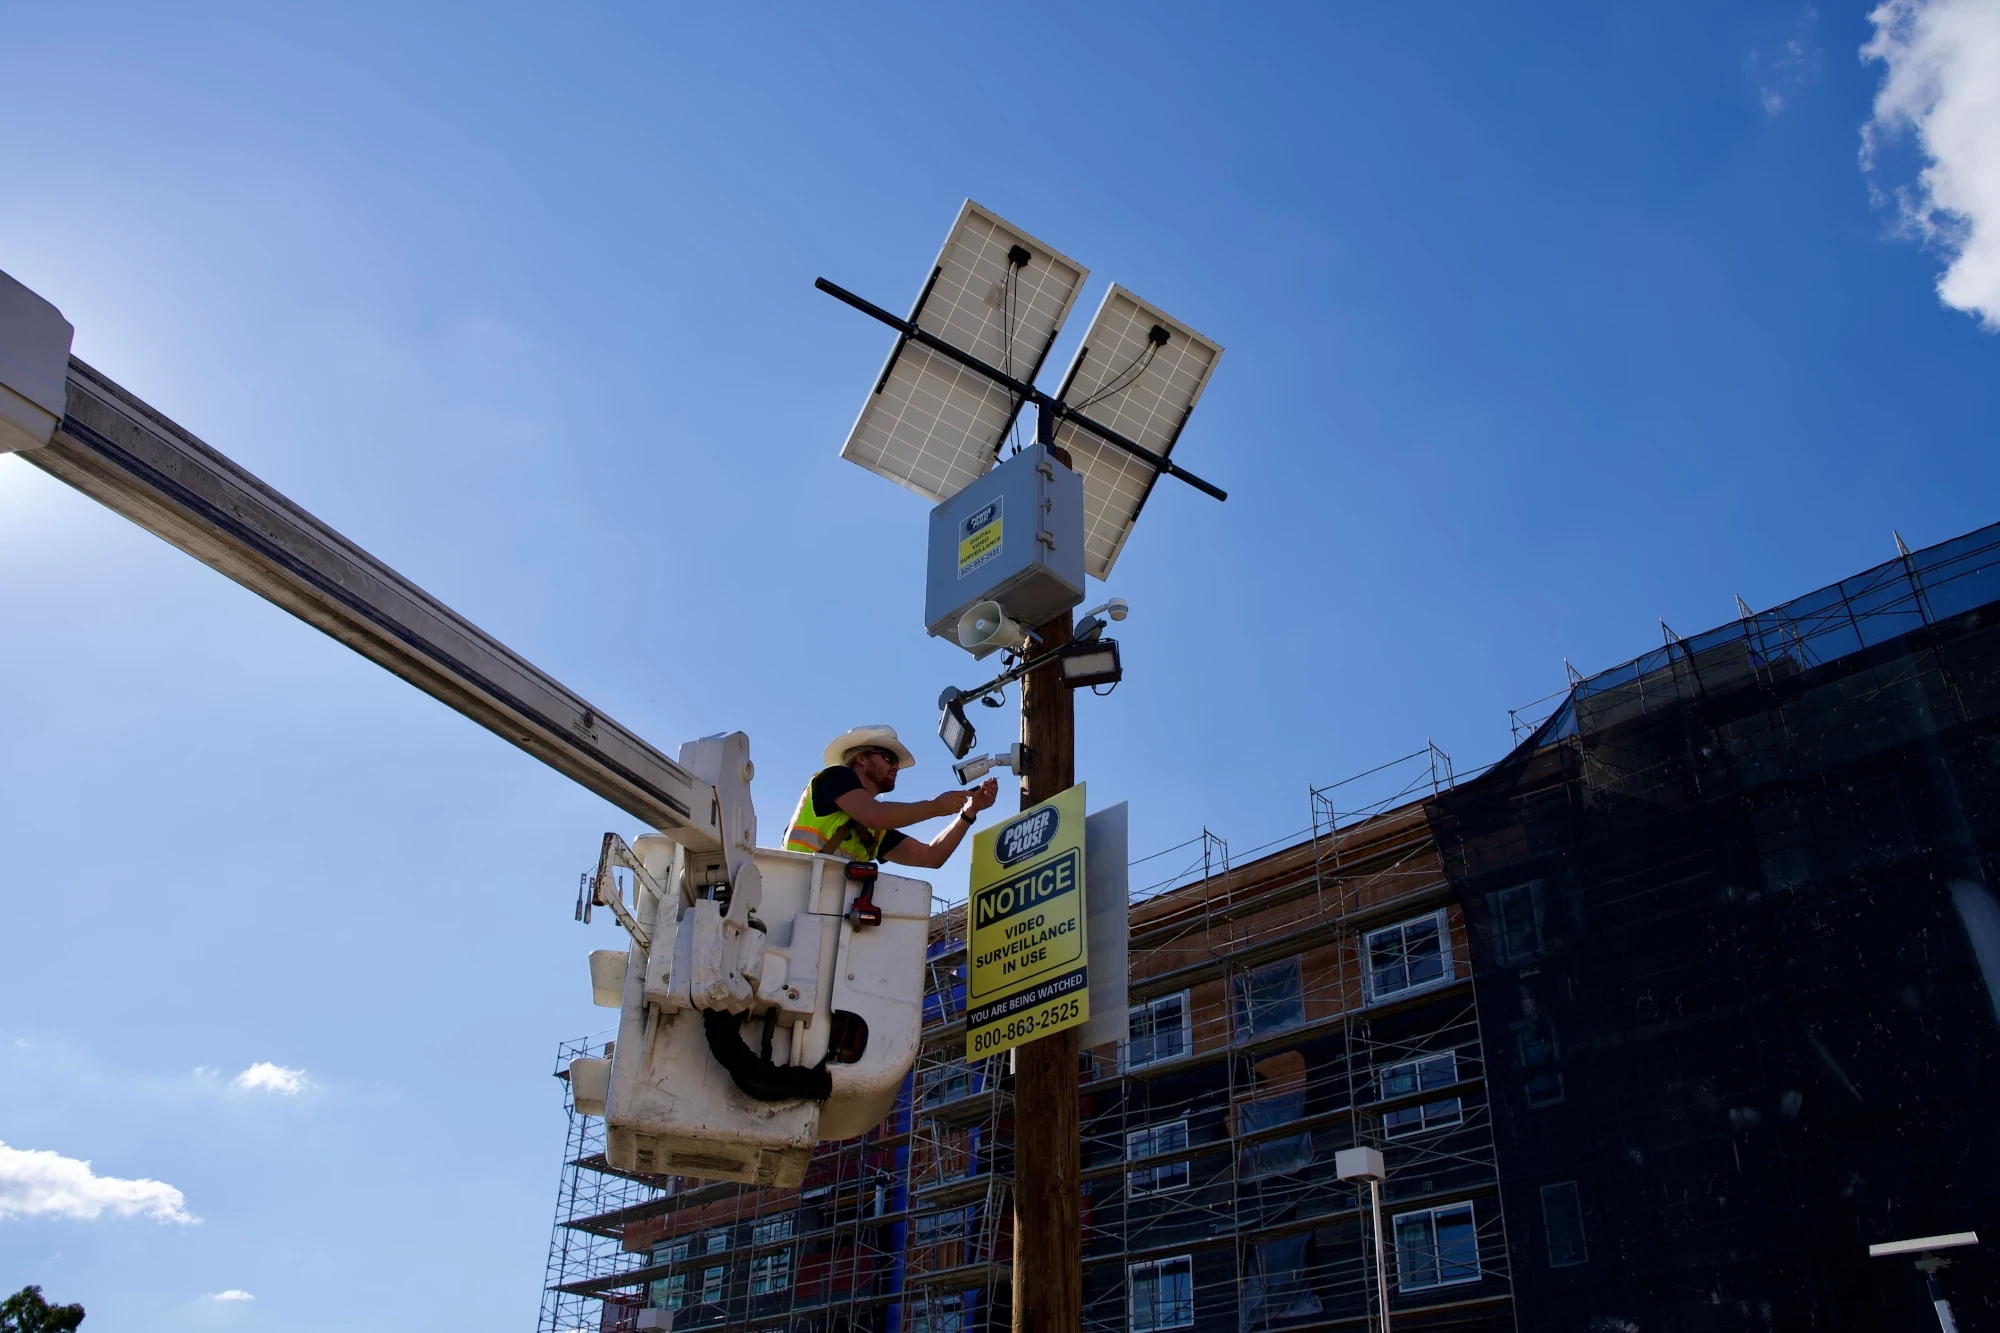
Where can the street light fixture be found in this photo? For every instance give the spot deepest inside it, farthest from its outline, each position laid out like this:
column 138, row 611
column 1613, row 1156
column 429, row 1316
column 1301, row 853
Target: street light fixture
column 1928, row 1263
column 1366, row 1164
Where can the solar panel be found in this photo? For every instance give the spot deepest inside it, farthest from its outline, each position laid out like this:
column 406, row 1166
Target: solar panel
column 931, row 424
column 1125, row 378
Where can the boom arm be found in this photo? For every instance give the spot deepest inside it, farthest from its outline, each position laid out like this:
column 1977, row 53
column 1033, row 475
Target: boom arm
column 707, row 979
column 79, row 427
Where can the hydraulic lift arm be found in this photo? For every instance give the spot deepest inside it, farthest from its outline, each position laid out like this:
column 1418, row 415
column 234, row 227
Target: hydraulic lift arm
column 745, row 980
column 108, row 444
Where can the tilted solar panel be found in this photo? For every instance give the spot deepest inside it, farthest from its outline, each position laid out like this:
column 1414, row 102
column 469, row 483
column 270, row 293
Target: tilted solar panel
column 1139, row 372
column 996, row 292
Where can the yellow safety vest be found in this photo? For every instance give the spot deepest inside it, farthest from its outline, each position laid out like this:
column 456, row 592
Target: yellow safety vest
column 836, row 834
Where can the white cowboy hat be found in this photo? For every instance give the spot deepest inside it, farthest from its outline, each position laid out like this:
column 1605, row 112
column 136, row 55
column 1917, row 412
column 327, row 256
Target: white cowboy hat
column 877, row 736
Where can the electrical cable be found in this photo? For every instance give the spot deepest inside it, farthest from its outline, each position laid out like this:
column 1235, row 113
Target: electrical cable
column 1130, row 376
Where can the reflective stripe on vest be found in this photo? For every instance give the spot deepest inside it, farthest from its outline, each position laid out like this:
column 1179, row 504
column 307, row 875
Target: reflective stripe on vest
column 835, row 835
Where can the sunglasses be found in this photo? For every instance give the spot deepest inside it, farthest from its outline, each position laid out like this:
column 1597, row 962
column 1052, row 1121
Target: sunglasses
column 889, row 755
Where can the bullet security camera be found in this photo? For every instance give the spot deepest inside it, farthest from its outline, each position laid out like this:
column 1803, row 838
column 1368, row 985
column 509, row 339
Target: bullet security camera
column 971, row 770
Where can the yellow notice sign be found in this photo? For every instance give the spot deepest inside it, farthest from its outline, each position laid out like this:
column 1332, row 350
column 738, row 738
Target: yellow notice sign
column 1029, row 974
column 980, row 537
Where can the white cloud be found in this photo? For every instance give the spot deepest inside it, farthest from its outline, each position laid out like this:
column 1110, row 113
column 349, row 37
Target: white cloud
column 1941, row 86
column 1788, row 68
column 273, row 1078
column 233, row 1294
column 47, row 1184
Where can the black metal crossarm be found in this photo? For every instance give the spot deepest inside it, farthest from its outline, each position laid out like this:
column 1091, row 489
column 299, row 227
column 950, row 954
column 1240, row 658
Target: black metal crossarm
column 1021, row 389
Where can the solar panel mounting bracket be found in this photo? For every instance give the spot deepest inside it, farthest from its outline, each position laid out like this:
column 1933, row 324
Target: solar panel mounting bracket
column 1051, row 410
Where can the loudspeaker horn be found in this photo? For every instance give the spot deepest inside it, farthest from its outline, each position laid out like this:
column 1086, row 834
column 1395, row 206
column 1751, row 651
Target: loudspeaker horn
column 984, row 627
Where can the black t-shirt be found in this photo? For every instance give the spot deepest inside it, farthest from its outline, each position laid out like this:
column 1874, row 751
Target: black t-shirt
column 829, row 785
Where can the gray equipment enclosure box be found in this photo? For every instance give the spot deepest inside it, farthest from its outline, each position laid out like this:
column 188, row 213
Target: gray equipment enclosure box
column 1015, row 536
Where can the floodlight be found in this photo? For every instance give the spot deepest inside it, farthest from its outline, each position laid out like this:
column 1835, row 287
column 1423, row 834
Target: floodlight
column 932, row 425
column 955, row 729
column 1139, row 373
column 1091, row 663
column 1951, row 1240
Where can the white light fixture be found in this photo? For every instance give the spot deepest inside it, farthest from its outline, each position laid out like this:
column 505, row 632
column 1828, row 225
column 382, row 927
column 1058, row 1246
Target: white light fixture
column 1929, row 1263
column 1946, row 1242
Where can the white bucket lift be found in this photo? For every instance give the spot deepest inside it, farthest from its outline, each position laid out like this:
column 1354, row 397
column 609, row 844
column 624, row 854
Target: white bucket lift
column 758, row 1015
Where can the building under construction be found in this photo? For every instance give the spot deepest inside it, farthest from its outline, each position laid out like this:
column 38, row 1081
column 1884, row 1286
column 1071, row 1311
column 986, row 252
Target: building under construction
column 1658, row 1024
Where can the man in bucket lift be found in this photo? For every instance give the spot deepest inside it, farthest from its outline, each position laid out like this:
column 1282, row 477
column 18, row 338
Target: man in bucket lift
column 841, row 812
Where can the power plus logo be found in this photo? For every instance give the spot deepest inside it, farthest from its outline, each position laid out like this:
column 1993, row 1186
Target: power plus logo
column 1026, row 836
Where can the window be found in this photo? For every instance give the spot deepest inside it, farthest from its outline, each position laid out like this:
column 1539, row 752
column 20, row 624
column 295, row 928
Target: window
column 711, row 1285
column 1517, row 924
column 1272, row 1157
column 669, row 1292
column 1436, row 1248
column 1159, row 1031
column 1157, row 1141
column 935, row 1228
column 1162, row 1294
column 1540, row 1056
column 1562, row 1223
column 938, row 1315
column 1435, row 1071
column 715, row 1242
column 1275, row 1286
column 947, row 1083
column 770, row 1272
column 1268, row 999
column 1408, row 956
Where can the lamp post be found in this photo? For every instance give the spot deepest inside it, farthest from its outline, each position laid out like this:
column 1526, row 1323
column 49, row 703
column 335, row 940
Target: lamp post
column 1366, row 1164
column 1929, row 1262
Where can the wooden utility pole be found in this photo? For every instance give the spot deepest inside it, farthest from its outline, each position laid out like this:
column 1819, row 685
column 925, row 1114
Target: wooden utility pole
column 1048, row 1174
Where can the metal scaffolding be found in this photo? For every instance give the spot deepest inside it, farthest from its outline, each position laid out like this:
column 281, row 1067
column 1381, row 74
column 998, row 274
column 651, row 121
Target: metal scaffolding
column 1270, row 1028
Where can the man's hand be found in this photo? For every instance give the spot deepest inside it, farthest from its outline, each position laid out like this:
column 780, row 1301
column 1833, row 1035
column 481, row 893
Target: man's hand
column 930, row 855
column 980, row 797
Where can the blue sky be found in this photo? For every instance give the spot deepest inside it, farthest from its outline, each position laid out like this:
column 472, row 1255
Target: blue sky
column 1541, row 328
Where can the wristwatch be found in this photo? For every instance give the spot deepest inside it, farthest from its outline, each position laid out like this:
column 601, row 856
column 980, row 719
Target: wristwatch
column 966, row 815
